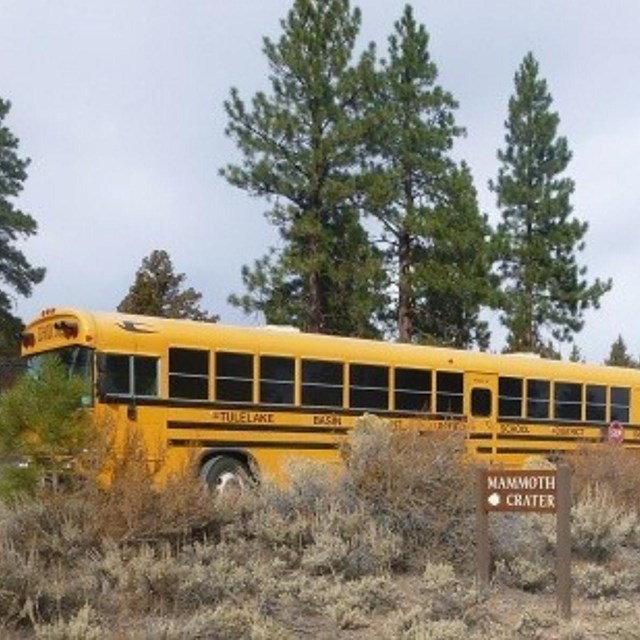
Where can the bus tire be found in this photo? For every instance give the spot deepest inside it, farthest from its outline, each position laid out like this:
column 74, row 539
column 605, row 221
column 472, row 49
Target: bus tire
column 222, row 473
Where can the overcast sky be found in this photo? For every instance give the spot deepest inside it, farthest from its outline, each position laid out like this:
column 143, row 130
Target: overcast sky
column 119, row 105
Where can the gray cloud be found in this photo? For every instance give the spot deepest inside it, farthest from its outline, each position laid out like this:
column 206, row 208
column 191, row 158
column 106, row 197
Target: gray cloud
column 119, row 105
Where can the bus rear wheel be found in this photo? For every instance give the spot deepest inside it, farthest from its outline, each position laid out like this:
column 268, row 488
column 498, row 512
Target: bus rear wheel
column 224, row 473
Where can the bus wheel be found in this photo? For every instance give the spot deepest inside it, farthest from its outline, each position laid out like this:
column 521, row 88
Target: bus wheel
column 222, row 473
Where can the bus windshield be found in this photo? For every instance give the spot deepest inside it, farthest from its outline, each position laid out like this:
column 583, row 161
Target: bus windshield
column 76, row 360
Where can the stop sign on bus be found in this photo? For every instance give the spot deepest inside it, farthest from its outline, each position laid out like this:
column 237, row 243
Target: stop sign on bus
column 615, row 433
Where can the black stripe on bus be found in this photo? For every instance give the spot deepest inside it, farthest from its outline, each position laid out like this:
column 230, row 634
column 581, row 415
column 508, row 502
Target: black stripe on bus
column 545, row 438
column 257, row 444
column 531, row 452
column 555, row 422
column 257, row 427
column 174, row 403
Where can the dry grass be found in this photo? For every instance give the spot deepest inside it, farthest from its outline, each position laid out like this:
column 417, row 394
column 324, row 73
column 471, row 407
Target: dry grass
column 384, row 550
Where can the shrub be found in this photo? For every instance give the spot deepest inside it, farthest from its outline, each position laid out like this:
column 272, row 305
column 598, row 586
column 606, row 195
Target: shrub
column 283, row 517
column 132, row 505
column 535, row 624
column 614, row 609
column 81, row 626
column 229, row 621
column 612, row 467
column 346, row 541
column 183, row 626
column 412, row 625
column 399, row 494
column 438, row 577
column 447, row 596
column 521, row 536
column 595, row 581
column 525, row 574
column 55, row 548
column 600, row 524
column 417, row 485
column 154, row 579
column 350, row 604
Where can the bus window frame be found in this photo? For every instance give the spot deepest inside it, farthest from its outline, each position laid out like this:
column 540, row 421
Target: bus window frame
column 289, row 383
column 368, row 390
column 101, row 365
column 340, row 387
column 185, row 376
column 251, row 380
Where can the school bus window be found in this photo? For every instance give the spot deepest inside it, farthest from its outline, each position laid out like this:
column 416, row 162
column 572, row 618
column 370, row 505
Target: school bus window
column 368, row 386
column 596, row 396
column 277, row 380
column 510, row 397
column 412, row 390
column 188, row 374
column 538, row 394
column 322, row 383
column 145, row 376
column 449, row 388
column 234, row 376
column 481, row 403
column 568, row 401
column 117, row 379
column 128, row 375
column 620, row 397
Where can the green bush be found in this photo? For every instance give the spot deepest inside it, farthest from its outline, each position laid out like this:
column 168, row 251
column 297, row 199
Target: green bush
column 43, row 421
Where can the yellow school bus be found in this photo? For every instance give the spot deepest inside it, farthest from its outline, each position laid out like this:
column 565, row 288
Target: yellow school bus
column 245, row 400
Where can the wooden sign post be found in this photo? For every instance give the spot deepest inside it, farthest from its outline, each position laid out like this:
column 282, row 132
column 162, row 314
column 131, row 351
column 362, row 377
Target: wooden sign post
column 539, row 491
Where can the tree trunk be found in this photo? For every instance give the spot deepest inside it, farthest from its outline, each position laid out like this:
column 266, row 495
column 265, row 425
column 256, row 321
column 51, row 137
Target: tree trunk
column 405, row 306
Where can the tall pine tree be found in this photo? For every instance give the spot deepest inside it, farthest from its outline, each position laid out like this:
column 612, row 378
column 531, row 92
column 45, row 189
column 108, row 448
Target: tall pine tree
column 436, row 240
column 452, row 270
column 545, row 291
column 299, row 152
column 159, row 291
column 619, row 355
column 16, row 273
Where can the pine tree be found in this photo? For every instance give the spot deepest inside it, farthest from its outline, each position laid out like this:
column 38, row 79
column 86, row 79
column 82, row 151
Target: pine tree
column 544, row 289
column 576, row 354
column 435, row 237
column 299, row 152
column 16, row 273
column 43, row 420
column 159, row 291
column 619, row 355
column 452, row 271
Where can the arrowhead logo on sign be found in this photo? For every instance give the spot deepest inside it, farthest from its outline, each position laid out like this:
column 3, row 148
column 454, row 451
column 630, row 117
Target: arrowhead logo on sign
column 494, row 499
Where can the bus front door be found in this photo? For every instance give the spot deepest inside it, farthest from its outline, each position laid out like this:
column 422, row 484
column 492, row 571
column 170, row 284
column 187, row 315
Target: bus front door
column 481, row 400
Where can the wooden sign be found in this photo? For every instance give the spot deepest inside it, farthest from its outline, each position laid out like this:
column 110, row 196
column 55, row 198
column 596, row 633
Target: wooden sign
column 521, row 490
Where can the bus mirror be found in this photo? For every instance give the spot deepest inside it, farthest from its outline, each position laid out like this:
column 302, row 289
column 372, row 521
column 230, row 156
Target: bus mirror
column 132, row 411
